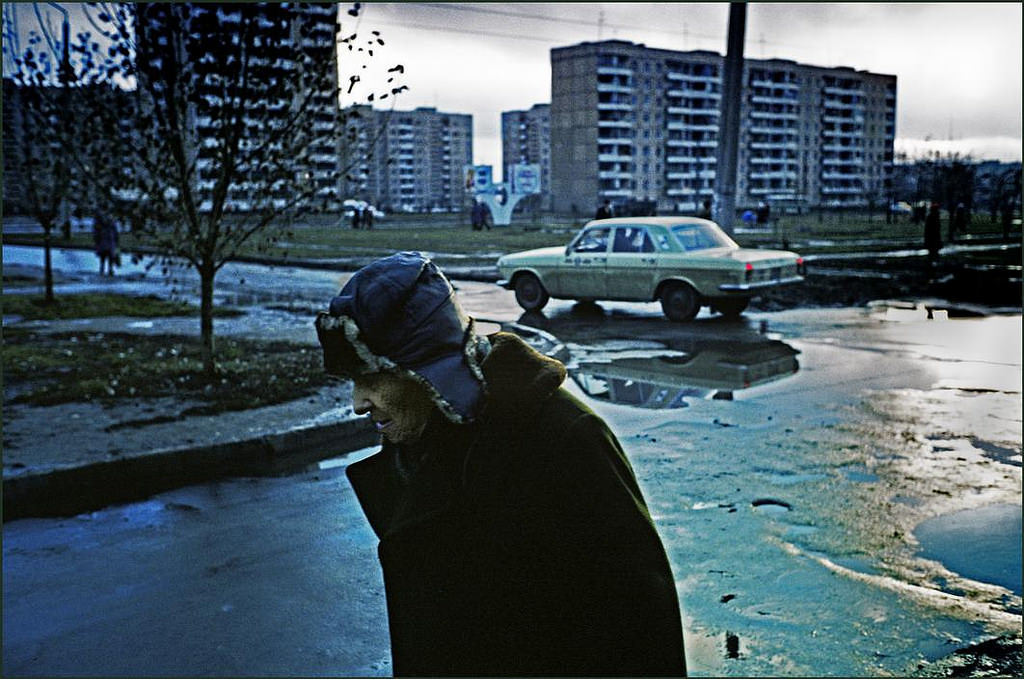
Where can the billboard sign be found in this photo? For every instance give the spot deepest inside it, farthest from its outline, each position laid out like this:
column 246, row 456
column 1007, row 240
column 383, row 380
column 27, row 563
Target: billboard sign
column 478, row 178
column 526, row 179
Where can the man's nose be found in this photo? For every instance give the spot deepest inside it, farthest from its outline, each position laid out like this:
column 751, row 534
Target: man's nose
column 361, row 403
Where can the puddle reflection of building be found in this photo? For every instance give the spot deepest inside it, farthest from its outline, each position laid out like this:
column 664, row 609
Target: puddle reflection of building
column 703, row 370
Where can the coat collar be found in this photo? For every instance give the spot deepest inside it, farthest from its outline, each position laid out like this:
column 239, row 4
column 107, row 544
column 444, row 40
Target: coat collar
column 519, row 380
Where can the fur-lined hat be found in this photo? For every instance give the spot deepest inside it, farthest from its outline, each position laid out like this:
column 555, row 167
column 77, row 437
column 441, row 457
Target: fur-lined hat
column 400, row 314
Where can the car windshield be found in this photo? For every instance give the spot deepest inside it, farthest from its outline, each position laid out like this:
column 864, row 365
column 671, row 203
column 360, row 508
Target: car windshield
column 592, row 240
column 701, row 237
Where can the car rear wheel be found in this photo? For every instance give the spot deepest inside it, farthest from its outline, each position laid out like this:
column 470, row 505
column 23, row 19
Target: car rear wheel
column 731, row 307
column 679, row 302
column 530, row 294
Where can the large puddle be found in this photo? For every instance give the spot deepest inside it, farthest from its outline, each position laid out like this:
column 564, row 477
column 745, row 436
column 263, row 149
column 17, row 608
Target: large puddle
column 983, row 544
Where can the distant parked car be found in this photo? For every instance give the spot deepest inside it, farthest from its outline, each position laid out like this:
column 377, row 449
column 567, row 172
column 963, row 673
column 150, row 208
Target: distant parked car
column 683, row 262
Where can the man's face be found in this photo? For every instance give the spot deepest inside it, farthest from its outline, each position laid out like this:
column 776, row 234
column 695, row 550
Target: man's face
column 399, row 406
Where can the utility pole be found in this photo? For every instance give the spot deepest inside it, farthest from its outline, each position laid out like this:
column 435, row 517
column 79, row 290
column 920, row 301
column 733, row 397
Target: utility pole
column 729, row 119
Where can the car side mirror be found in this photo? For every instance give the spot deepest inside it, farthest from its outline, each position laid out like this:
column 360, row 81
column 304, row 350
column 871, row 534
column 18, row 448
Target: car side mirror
column 568, row 249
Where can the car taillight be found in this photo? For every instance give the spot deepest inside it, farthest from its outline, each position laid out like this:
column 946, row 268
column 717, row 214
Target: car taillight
column 801, row 268
column 750, row 272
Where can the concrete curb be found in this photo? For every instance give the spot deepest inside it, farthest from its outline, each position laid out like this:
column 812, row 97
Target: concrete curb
column 74, row 490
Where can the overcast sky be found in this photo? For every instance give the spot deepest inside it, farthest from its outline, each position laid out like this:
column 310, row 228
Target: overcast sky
column 958, row 64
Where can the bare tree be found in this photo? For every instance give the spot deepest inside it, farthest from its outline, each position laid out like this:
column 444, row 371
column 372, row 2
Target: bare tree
column 38, row 79
column 232, row 130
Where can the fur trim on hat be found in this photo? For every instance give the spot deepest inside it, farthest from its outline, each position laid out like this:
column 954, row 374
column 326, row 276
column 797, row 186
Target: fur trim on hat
column 347, row 355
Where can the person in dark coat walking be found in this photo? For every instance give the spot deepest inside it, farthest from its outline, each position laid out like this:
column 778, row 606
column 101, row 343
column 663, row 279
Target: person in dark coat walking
column 933, row 233
column 604, row 211
column 514, row 538
column 105, row 238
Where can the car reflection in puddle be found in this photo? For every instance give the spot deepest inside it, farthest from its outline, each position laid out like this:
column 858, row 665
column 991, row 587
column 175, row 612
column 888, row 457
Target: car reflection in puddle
column 703, row 370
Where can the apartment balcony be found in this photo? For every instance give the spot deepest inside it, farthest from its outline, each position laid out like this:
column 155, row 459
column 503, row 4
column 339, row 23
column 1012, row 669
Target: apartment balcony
column 601, row 106
column 621, row 141
column 838, row 133
column 613, row 158
column 681, row 175
column 841, row 190
column 681, row 159
column 851, row 90
column 841, row 176
column 775, row 115
column 694, row 110
column 773, row 146
column 673, row 125
column 628, row 124
column 842, row 106
column 610, row 87
column 694, row 94
column 682, row 191
column 771, row 130
column 779, row 174
column 686, row 78
column 614, row 70
column 771, row 101
column 772, row 85
column 843, row 162
column 614, row 174
column 692, row 143
column 769, row 160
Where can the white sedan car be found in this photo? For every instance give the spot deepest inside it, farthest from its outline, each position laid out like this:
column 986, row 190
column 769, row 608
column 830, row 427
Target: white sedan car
column 683, row 262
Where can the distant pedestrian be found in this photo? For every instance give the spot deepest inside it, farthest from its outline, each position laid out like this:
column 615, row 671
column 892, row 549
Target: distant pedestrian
column 368, row 217
column 933, row 233
column 479, row 216
column 958, row 222
column 356, row 213
column 605, row 211
column 764, row 213
column 705, row 210
column 104, row 236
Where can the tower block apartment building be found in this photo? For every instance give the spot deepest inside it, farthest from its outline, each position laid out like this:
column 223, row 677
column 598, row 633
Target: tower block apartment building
column 407, row 161
column 632, row 124
column 526, row 138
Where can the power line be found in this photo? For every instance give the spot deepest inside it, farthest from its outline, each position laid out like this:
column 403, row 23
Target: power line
column 562, row 20
column 686, row 34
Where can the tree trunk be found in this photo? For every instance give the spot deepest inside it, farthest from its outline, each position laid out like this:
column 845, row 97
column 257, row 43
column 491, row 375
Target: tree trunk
column 206, row 277
column 47, row 265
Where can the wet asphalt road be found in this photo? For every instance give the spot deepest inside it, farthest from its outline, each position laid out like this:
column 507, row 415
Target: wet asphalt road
column 788, row 509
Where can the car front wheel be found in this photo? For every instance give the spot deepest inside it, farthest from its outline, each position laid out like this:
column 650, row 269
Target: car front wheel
column 679, row 302
column 530, row 294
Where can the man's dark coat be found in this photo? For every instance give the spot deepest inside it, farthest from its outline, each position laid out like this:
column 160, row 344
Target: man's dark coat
column 521, row 544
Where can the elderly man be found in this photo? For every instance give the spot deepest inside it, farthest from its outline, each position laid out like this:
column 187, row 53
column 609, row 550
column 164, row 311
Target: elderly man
column 514, row 539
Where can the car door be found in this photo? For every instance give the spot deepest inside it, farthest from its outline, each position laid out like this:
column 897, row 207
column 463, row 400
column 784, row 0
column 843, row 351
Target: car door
column 582, row 274
column 632, row 264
